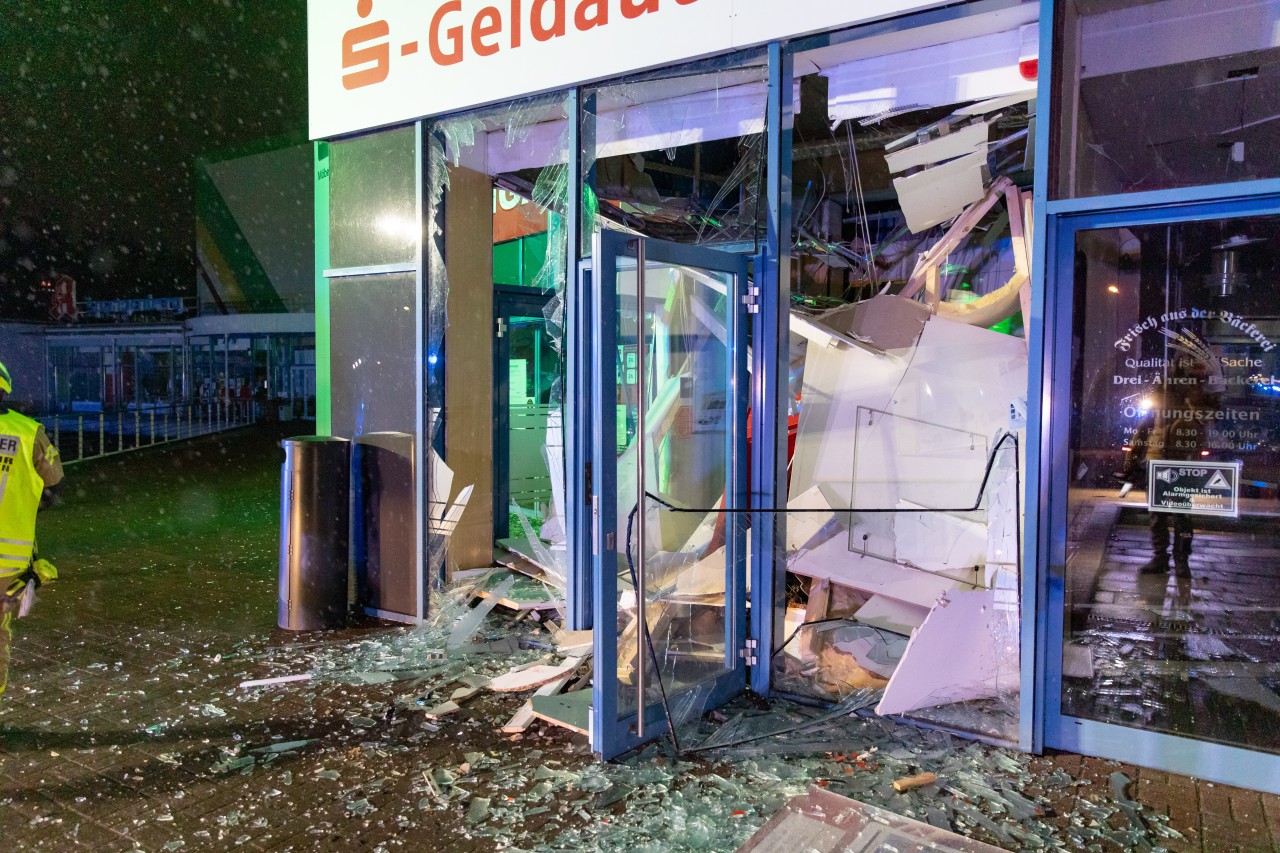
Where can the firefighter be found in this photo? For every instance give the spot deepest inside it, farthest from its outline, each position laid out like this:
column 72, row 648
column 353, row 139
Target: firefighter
column 28, row 463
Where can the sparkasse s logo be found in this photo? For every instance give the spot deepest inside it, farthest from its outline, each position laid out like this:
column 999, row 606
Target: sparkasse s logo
column 361, row 48
column 366, row 48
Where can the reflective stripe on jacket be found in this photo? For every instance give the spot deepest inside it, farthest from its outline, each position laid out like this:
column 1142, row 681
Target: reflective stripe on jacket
column 20, row 490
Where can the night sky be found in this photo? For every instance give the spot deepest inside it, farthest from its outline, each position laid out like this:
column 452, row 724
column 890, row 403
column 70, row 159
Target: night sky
column 106, row 106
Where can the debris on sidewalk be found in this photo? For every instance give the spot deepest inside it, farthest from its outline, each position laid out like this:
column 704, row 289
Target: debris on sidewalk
column 823, row 822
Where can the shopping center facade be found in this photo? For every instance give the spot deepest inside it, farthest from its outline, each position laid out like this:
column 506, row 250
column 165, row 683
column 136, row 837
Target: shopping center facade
column 918, row 347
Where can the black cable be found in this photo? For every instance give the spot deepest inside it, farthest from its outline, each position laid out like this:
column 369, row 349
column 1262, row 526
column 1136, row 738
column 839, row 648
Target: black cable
column 977, row 504
column 828, row 620
column 986, row 476
column 648, row 641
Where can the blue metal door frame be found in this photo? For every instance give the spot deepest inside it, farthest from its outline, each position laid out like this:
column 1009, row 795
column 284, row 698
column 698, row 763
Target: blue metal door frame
column 612, row 735
column 1172, row 753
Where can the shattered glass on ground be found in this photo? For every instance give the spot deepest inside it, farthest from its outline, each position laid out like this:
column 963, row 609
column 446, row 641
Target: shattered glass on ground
column 125, row 725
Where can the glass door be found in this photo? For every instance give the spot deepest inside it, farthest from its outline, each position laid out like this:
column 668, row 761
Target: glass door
column 669, row 453
column 527, row 370
column 1165, row 592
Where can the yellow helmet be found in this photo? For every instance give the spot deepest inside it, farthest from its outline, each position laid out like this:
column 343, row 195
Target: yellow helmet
column 6, row 384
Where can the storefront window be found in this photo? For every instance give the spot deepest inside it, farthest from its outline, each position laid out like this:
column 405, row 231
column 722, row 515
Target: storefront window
column 1171, row 589
column 372, row 201
column 372, row 353
column 680, row 155
column 911, row 179
column 1173, row 93
column 497, row 190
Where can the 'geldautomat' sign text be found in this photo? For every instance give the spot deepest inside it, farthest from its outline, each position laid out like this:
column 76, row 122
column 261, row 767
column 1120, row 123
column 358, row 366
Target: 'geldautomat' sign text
column 380, row 62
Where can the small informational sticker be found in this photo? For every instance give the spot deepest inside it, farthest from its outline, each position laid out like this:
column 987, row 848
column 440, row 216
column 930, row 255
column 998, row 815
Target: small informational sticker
column 1200, row 488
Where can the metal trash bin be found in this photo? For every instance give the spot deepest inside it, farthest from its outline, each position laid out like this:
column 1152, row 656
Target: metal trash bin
column 384, row 525
column 315, row 518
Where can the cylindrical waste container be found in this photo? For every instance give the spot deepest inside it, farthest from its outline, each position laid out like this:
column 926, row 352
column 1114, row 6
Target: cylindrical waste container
column 315, row 519
column 384, row 525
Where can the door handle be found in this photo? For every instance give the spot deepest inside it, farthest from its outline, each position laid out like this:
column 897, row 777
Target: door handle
column 642, row 634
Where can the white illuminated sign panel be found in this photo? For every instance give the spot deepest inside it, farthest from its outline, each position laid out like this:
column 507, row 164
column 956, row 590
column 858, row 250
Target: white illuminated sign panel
column 1198, row 488
column 378, row 62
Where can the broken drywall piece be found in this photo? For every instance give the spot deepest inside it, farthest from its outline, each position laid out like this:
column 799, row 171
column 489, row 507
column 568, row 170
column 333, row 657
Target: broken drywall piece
column 833, row 561
column 891, row 615
column 444, row 709
column 966, row 649
column 933, row 196
column 524, row 717
column 885, row 323
column 804, row 527
column 568, row 710
column 910, row 462
column 535, row 676
column 970, row 139
column 572, row 643
column 959, row 378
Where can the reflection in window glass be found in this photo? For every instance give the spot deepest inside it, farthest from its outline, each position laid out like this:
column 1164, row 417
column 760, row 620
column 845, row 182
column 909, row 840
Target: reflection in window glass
column 372, row 202
column 1173, row 93
column 1171, row 591
column 680, row 156
column 911, row 187
column 372, row 332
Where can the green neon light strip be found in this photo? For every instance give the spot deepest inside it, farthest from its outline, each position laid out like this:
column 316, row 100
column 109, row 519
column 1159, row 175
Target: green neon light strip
column 324, row 410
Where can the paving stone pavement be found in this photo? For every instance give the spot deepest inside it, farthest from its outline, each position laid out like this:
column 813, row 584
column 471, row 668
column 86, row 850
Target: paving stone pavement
column 123, row 718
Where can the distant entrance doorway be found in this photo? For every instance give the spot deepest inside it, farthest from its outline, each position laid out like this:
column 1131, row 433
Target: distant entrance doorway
column 527, row 374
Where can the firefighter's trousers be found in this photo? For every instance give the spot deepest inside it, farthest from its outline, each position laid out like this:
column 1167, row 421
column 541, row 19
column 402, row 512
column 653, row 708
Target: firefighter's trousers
column 6, row 637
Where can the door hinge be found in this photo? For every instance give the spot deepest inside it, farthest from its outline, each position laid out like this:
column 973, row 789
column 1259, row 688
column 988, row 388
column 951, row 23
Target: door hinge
column 502, row 327
column 748, row 652
column 752, row 299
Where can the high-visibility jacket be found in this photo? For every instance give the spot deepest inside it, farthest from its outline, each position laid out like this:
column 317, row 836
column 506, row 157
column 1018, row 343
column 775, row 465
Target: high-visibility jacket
column 20, row 490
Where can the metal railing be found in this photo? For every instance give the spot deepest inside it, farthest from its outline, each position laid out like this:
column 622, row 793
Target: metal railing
column 90, row 435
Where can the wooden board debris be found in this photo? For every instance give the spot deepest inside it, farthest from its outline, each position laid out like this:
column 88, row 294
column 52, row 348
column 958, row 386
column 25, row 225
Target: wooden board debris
column 575, row 642
column 526, row 594
column 534, row 676
column 524, row 717
column 906, row 783
column 816, row 611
